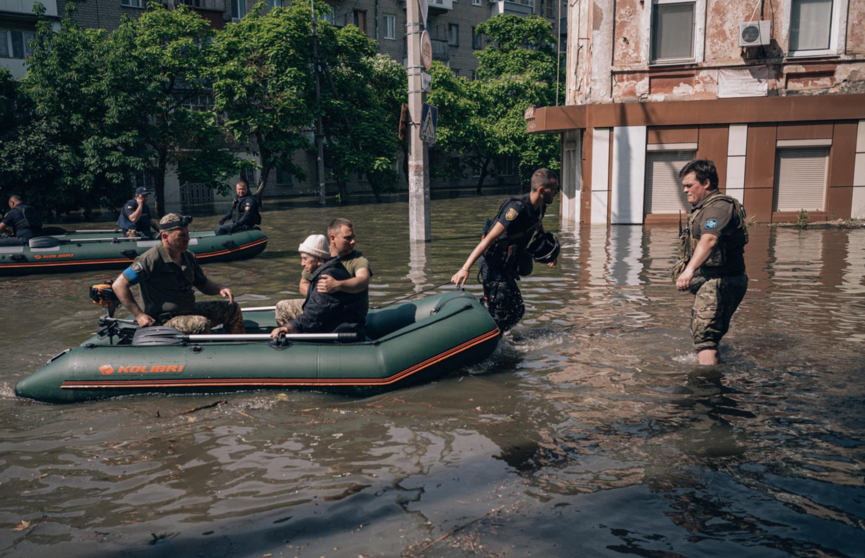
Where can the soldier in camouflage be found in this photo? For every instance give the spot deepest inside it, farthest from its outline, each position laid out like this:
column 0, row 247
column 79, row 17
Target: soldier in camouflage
column 167, row 274
column 711, row 262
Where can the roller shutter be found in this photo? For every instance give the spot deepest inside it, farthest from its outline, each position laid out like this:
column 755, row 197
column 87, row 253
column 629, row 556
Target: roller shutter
column 800, row 179
column 663, row 188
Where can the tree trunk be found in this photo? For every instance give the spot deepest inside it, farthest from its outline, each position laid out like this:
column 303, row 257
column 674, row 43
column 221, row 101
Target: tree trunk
column 159, row 182
column 263, row 158
column 483, row 176
column 376, row 191
column 343, row 191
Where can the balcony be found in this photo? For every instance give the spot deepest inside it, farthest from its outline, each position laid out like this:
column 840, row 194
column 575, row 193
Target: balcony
column 521, row 8
column 440, row 50
column 440, row 6
column 25, row 7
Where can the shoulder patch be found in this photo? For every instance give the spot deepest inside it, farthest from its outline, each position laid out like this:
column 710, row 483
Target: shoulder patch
column 511, row 214
column 137, row 267
column 711, row 223
column 130, row 207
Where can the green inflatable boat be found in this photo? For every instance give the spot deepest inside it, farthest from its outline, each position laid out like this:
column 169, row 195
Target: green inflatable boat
column 109, row 249
column 406, row 344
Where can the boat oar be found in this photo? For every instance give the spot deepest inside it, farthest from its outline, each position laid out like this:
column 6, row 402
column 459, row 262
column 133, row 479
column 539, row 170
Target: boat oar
column 161, row 335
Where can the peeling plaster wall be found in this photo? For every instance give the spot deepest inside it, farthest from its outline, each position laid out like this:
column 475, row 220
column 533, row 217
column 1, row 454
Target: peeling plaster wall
column 855, row 27
column 629, row 32
column 603, row 18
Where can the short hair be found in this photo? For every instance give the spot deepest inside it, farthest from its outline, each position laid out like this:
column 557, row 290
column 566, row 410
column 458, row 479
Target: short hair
column 16, row 198
column 703, row 170
column 543, row 177
column 338, row 224
column 242, row 181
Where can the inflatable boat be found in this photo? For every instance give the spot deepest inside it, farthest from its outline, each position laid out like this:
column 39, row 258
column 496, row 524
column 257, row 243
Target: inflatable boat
column 405, row 344
column 109, row 249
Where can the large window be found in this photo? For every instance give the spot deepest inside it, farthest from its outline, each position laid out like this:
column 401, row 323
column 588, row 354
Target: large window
column 811, row 25
column 477, row 40
column 389, row 26
column 672, row 30
column 453, row 34
column 274, row 3
column 359, row 19
column 476, row 2
column 238, row 9
column 800, row 179
column 16, row 44
column 664, row 193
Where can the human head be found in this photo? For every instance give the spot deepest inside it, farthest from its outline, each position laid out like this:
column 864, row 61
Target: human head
column 313, row 251
column 174, row 231
column 242, row 189
column 14, row 200
column 699, row 179
column 340, row 232
column 545, row 182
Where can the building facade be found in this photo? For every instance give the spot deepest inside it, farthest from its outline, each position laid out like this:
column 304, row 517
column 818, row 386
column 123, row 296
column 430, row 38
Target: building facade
column 773, row 93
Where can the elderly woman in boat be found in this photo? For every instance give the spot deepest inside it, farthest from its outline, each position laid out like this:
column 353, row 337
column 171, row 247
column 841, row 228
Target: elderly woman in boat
column 337, row 312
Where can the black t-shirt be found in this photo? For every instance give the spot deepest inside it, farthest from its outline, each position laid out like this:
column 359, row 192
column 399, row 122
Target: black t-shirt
column 24, row 220
column 517, row 216
column 719, row 218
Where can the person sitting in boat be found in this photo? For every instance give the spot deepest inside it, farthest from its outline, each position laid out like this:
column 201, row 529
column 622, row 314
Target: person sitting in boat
column 244, row 215
column 341, row 243
column 167, row 274
column 22, row 220
column 135, row 220
column 324, row 312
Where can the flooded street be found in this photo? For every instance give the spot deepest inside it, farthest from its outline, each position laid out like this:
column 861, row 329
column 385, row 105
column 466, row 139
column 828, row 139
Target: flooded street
column 590, row 432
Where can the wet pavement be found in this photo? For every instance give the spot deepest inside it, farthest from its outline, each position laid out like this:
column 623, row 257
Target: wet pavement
column 590, row 432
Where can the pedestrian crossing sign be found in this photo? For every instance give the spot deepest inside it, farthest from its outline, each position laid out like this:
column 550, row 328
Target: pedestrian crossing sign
column 429, row 116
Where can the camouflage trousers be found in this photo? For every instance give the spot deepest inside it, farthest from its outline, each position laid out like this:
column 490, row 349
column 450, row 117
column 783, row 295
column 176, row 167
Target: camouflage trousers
column 715, row 302
column 287, row 310
column 208, row 315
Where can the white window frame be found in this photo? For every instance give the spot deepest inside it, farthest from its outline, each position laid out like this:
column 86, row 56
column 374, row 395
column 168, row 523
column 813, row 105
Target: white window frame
column 392, row 28
column 456, row 28
column 241, row 10
column 132, row 3
column 476, row 2
column 837, row 37
column 699, row 33
column 10, row 49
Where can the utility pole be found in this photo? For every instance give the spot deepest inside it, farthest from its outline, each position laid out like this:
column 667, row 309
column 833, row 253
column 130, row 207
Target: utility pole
column 319, row 141
column 418, row 174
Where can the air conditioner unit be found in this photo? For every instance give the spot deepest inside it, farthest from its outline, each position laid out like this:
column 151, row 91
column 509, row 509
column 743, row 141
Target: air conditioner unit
column 755, row 33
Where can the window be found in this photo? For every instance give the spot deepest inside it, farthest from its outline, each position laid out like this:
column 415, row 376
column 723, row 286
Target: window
column 473, row 76
column 16, row 44
column 547, row 8
column 360, row 20
column 389, row 26
column 456, row 72
column 274, row 3
column 248, row 176
column 477, row 40
column 664, row 192
column 453, row 34
column 283, row 178
column 507, row 166
column 811, row 25
column 672, row 30
column 238, row 9
column 476, row 2
column 131, row 3
column 800, row 179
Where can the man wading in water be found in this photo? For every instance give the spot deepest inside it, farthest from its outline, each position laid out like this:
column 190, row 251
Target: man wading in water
column 711, row 257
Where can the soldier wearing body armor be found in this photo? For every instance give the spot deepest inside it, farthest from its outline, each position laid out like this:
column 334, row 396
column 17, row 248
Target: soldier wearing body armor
column 135, row 220
column 711, row 262
column 243, row 215
column 503, row 249
column 22, row 220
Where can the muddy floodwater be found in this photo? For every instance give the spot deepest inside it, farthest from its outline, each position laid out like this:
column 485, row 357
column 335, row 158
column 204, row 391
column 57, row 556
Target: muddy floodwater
column 590, row 432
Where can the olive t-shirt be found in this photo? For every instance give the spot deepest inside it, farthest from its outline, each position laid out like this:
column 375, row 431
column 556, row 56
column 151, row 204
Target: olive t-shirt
column 720, row 218
column 352, row 263
column 166, row 286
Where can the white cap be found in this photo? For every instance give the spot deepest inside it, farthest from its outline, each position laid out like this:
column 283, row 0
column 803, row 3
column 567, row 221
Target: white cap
column 315, row 245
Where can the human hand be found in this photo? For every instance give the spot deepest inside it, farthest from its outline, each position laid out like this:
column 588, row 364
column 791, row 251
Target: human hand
column 144, row 320
column 140, row 199
column 327, row 284
column 553, row 263
column 226, row 293
column 683, row 283
column 278, row 331
column 460, row 277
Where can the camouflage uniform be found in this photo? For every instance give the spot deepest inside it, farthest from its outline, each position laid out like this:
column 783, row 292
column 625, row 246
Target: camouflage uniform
column 719, row 285
column 168, row 295
column 287, row 310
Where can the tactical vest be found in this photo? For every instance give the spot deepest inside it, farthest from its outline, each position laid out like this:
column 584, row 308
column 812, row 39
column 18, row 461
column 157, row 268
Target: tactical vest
column 29, row 219
column 687, row 243
column 505, row 252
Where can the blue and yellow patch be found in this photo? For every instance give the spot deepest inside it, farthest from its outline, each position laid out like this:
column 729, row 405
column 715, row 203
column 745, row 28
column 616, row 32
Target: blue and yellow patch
column 711, row 223
column 132, row 273
column 511, row 214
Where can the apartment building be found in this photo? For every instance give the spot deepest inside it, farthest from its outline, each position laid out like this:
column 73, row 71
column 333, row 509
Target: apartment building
column 772, row 92
column 18, row 29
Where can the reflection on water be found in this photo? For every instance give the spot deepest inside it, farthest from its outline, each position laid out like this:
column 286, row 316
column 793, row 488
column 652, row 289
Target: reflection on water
column 591, row 431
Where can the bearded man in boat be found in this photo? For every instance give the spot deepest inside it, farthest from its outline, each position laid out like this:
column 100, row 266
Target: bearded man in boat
column 325, row 312
column 167, row 274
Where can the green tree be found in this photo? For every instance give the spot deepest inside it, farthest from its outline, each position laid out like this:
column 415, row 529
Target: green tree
column 263, row 81
column 156, row 73
column 483, row 120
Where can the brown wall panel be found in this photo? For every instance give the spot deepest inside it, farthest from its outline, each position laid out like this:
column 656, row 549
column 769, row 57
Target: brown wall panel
column 839, row 202
column 842, row 155
column 760, row 156
column 586, row 192
column 758, row 204
column 713, row 146
column 796, row 131
column 672, row 134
